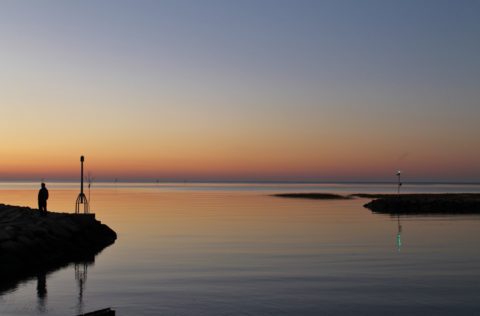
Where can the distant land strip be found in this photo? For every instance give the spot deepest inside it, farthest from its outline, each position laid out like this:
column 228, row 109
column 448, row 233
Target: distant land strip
column 313, row 196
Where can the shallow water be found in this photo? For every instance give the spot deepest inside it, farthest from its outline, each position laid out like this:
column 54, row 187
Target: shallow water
column 232, row 249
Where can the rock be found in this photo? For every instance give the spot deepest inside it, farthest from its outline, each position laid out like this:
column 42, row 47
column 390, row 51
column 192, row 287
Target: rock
column 5, row 235
column 29, row 240
column 426, row 204
column 10, row 246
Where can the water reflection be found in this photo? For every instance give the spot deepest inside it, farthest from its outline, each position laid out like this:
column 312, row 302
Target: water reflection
column 10, row 282
column 81, row 270
column 399, row 233
column 248, row 253
column 41, row 292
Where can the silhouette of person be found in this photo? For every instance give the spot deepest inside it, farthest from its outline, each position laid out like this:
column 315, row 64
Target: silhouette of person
column 42, row 198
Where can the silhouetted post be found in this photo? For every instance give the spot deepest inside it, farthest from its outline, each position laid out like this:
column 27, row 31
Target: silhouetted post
column 399, row 181
column 90, row 180
column 81, row 199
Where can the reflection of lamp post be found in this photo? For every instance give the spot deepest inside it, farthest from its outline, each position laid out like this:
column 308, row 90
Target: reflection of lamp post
column 399, row 173
column 81, row 277
column 399, row 234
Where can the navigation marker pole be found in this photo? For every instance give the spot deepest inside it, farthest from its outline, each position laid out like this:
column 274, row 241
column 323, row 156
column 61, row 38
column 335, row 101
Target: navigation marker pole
column 81, row 199
column 399, row 181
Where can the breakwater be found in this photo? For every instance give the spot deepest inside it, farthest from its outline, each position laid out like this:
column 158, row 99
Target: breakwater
column 463, row 203
column 31, row 242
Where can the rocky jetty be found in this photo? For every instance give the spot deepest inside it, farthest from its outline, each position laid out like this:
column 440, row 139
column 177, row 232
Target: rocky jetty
column 452, row 203
column 465, row 203
column 32, row 242
column 313, row 196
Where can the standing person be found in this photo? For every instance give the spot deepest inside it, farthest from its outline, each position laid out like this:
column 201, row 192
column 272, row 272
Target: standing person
column 42, row 198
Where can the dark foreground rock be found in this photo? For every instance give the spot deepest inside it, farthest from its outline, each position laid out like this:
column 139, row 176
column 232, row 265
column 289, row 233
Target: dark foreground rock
column 101, row 312
column 464, row 203
column 314, row 196
column 31, row 243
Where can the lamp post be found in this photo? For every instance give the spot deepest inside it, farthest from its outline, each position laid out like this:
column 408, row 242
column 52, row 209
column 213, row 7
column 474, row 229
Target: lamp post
column 399, row 173
column 81, row 199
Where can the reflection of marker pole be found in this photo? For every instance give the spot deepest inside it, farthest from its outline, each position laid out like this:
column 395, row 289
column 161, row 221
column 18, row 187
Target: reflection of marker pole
column 399, row 235
column 81, row 277
column 399, row 181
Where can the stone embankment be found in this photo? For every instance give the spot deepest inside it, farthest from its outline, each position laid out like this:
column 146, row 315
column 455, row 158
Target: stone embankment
column 453, row 203
column 464, row 203
column 31, row 241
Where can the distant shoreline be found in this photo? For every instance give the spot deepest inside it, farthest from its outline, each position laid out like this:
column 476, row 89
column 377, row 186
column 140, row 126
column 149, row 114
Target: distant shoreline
column 313, row 196
column 177, row 181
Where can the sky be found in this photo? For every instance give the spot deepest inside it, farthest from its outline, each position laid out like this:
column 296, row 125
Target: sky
column 240, row 90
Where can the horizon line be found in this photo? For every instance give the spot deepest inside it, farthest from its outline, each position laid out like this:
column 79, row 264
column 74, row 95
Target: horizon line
column 216, row 181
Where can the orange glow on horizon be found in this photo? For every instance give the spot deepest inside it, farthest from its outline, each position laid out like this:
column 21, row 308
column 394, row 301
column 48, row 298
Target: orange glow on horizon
column 233, row 150
column 246, row 167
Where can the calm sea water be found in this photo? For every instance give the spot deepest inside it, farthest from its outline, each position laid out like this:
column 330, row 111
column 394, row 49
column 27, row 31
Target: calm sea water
column 232, row 249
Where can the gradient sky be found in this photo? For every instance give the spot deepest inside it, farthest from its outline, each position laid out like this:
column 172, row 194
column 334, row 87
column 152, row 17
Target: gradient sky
column 240, row 90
